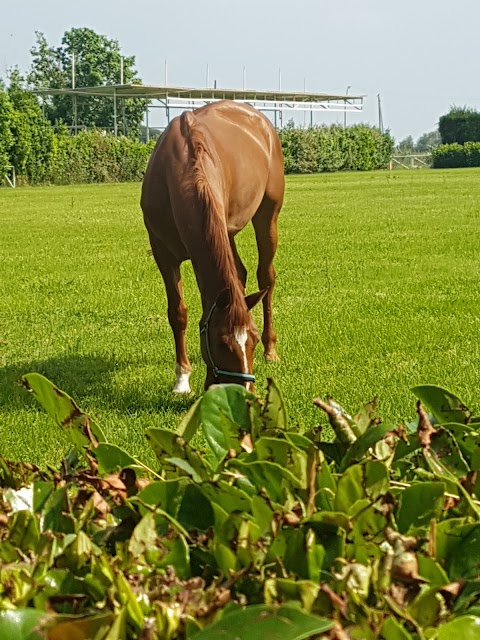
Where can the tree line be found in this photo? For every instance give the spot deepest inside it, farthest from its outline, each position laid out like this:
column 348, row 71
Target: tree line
column 36, row 138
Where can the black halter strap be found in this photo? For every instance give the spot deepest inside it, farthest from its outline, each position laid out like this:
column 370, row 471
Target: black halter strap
column 246, row 377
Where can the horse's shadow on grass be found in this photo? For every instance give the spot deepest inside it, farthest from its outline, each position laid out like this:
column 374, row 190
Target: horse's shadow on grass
column 78, row 375
column 87, row 376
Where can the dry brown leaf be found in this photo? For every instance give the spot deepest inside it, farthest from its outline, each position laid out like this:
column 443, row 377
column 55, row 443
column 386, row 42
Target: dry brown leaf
column 425, row 429
column 246, row 443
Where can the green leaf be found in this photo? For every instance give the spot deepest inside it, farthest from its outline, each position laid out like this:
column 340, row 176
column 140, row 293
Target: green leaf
column 363, row 443
column 111, row 458
column 24, row 624
column 56, row 512
column 274, row 412
column 266, row 475
column 228, row 496
column 186, row 467
column 465, row 627
column 126, row 597
column 393, row 630
column 190, row 422
column 444, row 473
column 167, row 495
column 444, row 405
column 305, row 591
column 349, row 488
column 467, row 438
column 223, row 416
column 259, row 622
column 449, row 535
column 431, row 571
column 445, row 446
column 170, row 449
column 376, row 479
column 419, row 504
column 82, row 432
column 365, row 417
column 196, row 510
column 286, row 455
column 427, row 608
column 464, row 559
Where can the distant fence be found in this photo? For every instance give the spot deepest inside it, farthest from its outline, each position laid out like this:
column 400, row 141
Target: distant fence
column 10, row 177
column 411, row 161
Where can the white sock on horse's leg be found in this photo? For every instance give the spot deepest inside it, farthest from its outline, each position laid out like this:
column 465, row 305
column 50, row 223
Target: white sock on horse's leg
column 182, row 384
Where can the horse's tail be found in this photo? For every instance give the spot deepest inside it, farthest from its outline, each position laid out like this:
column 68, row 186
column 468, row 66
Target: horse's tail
column 209, row 190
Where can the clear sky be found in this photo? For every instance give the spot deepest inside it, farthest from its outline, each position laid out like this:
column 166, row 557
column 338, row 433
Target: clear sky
column 421, row 55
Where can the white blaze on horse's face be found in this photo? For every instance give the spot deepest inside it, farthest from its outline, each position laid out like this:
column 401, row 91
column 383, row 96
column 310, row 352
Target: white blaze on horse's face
column 182, row 385
column 241, row 336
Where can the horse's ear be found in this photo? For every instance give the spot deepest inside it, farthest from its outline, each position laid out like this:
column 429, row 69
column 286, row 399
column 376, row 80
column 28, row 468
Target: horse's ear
column 224, row 300
column 254, row 298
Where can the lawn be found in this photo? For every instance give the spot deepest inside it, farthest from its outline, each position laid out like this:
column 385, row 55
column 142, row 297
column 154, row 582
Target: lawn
column 378, row 289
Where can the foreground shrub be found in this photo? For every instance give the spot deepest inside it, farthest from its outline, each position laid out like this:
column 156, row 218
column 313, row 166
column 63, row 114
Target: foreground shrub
column 264, row 533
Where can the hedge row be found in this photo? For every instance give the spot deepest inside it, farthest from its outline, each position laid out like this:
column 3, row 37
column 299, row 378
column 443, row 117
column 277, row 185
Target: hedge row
column 335, row 148
column 92, row 156
column 460, row 124
column 455, row 155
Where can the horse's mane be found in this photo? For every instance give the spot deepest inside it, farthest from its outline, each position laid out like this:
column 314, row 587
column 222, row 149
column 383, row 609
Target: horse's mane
column 213, row 212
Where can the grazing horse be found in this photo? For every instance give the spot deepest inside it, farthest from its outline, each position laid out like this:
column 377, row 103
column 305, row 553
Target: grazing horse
column 211, row 172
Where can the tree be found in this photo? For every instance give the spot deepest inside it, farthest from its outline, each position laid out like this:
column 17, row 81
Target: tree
column 427, row 141
column 406, row 145
column 31, row 150
column 96, row 60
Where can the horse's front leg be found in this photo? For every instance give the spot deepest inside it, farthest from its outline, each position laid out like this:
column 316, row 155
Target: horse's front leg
column 177, row 312
column 265, row 224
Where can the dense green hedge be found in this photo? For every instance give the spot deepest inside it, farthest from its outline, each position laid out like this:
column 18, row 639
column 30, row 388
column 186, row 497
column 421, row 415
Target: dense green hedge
column 455, row 155
column 460, row 124
column 91, row 156
column 334, row 148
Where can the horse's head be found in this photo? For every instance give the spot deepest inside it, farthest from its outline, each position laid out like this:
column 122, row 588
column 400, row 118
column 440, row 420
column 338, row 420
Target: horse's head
column 227, row 352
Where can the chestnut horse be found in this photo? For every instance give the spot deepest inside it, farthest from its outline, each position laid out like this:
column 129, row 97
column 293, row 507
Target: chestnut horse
column 211, row 172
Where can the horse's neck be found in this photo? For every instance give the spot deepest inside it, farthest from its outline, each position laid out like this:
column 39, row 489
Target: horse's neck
column 212, row 282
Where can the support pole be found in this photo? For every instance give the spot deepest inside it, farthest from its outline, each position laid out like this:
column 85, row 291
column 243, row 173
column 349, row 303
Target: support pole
column 115, row 128
column 147, row 124
column 345, row 107
column 75, row 114
column 380, row 115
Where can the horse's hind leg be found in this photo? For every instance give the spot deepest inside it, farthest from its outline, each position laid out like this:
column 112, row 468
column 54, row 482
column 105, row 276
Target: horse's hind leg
column 265, row 225
column 177, row 311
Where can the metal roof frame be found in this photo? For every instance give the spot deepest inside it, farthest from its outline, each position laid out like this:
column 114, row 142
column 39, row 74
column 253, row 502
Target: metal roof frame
column 183, row 98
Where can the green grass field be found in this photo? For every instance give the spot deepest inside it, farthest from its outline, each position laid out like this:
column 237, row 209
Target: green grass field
column 378, row 290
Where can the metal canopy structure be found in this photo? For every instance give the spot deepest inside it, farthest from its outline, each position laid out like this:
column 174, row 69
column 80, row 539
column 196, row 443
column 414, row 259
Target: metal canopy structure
column 183, row 98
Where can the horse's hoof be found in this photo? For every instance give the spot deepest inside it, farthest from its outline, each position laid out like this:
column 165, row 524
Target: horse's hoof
column 272, row 356
column 181, row 390
column 182, row 384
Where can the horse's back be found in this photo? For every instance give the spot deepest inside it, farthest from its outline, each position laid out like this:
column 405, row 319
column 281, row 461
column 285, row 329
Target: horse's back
column 243, row 156
column 250, row 153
